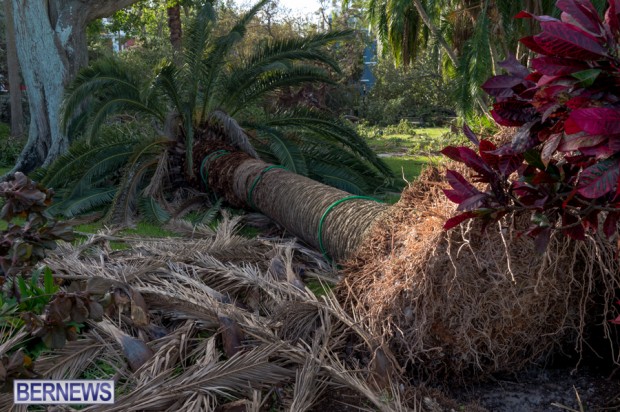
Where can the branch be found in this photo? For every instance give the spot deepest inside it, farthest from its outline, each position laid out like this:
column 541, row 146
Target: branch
column 96, row 9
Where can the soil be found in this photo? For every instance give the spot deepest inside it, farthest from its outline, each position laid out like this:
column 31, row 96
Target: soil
column 543, row 390
column 533, row 390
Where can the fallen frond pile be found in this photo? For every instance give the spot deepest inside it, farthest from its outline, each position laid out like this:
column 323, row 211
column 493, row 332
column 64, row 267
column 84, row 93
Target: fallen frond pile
column 219, row 321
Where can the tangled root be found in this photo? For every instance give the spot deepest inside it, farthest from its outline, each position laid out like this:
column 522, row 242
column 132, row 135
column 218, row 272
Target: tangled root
column 469, row 302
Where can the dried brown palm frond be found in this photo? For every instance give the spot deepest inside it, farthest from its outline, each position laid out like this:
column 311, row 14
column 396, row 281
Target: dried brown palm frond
column 309, row 386
column 234, row 133
column 188, row 229
column 70, row 361
column 10, row 338
column 239, row 375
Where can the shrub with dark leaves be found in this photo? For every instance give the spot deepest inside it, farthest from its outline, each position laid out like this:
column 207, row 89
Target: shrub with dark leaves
column 563, row 164
column 27, row 298
column 22, row 245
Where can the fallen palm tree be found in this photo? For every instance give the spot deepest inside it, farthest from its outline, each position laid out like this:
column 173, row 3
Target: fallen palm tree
column 457, row 303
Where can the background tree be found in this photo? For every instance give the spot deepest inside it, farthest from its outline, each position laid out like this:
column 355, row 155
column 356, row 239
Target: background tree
column 51, row 46
column 17, row 114
column 470, row 36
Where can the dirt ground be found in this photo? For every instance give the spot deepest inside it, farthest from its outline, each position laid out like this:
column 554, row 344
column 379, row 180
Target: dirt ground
column 543, row 390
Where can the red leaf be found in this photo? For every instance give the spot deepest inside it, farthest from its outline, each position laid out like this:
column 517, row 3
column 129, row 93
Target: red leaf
column 549, row 148
column 527, row 15
column 501, row 86
column 582, row 13
column 590, row 221
column 509, row 164
column 513, row 113
column 458, row 219
column 612, row 17
column 579, row 141
column 566, row 40
column 558, row 66
column 531, row 43
column 575, row 231
column 452, row 152
column 599, row 179
column 597, row 120
column 491, row 159
column 578, row 102
column 610, row 227
column 470, row 134
column 462, row 188
column 514, row 67
column 615, row 321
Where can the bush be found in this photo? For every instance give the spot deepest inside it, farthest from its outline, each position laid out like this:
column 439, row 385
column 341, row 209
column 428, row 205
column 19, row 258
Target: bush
column 417, row 92
column 563, row 164
column 10, row 147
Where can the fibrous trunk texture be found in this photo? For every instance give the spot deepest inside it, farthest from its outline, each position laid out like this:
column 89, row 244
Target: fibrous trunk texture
column 295, row 202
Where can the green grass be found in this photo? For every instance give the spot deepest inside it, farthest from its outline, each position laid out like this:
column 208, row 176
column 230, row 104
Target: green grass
column 412, row 140
column 408, row 166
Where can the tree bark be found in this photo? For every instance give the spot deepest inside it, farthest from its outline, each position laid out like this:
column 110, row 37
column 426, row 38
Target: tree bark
column 176, row 31
column 15, row 91
column 306, row 208
column 50, row 38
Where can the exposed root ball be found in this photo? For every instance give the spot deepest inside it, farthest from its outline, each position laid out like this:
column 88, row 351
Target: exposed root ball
column 466, row 302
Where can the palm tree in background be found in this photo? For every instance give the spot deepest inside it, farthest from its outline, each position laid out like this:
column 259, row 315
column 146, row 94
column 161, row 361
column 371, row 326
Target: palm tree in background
column 214, row 94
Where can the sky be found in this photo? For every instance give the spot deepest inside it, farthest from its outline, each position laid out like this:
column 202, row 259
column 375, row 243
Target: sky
column 299, row 7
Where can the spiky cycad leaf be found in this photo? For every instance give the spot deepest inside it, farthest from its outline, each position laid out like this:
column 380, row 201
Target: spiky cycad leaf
column 210, row 214
column 330, row 129
column 286, row 151
column 109, row 87
column 339, row 177
column 124, row 205
column 152, row 211
column 274, row 80
column 82, row 154
column 88, row 200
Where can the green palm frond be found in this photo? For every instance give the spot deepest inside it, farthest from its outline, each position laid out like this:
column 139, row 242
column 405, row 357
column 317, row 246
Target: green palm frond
column 274, row 80
column 109, row 87
column 166, row 80
column 118, row 105
column 152, row 211
column 125, row 203
column 210, row 214
column 338, row 177
column 474, row 64
column 286, row 151
column 211, row 67
column 295, row 49
column 326, row 127
column 89, row 200
column 102, row 155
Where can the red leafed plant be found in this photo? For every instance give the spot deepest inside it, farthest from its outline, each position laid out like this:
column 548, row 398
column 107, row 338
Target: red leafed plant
column 563, row 164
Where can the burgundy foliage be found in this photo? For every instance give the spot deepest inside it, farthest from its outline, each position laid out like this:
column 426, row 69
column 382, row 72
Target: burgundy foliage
column 563, row 164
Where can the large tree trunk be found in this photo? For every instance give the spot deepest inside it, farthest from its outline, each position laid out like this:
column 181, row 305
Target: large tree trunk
column 301, row 205
column 51, row 45
column 15, row 91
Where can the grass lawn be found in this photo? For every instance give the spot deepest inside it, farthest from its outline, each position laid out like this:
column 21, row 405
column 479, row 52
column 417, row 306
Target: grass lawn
column 409, row 166
column 429, row 140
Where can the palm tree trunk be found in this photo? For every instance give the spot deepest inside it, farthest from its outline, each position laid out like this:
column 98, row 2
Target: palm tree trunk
column 433, row 29
column 301, row 205
column 176, row 31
